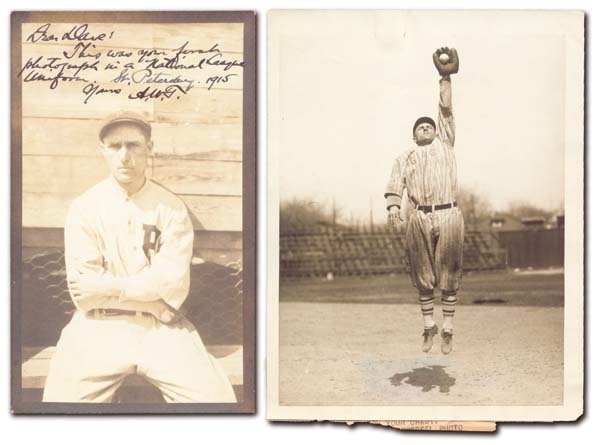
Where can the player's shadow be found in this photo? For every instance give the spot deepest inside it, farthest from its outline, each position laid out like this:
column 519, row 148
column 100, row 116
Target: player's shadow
column 425, row 378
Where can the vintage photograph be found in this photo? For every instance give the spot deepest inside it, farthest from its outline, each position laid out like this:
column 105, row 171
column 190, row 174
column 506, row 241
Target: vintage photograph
column 425, row 215
column 133, row 212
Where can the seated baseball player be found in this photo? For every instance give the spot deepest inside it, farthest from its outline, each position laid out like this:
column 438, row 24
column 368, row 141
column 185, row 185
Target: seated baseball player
column 128, row 247
column 435, row 227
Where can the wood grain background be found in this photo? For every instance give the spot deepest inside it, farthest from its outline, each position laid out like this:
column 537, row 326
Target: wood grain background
column 197, row 139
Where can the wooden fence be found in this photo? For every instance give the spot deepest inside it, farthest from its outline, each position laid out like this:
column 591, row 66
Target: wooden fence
column 534, row 248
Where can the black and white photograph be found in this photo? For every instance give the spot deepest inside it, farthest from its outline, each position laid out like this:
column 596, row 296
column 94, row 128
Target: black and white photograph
column 425, row 215
column 133, row 222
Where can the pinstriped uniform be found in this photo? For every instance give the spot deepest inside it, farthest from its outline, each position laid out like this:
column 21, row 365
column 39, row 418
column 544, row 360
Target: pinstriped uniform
column 434, row 240
column 434, row 244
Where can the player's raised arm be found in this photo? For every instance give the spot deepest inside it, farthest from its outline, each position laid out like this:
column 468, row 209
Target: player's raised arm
column 446, row 62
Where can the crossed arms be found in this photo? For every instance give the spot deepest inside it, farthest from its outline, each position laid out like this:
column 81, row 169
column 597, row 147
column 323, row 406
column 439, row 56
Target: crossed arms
column 158, row 288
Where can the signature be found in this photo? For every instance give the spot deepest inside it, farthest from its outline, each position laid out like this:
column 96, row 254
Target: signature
column 158, row 93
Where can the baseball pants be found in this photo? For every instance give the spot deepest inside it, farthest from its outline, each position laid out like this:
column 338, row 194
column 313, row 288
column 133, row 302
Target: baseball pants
column 95, row 355
column 434, row 243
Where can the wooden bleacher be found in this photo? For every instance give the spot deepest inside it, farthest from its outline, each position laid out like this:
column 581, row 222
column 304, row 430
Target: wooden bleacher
column 347, row 251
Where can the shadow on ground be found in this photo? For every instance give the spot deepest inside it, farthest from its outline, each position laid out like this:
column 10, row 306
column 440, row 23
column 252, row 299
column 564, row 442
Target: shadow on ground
column 425, row 378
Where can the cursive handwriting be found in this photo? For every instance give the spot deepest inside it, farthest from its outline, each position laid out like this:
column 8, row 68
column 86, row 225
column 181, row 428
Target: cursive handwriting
column 84, row 54
column 41, row 34
column 56, row 63
column 157, row 93
column 78, row 33
column 211, row 81
column 80, row 49
column 148, row 76
column 36, row 76
column 81, row 34
column 218, row 60
column 93, row 89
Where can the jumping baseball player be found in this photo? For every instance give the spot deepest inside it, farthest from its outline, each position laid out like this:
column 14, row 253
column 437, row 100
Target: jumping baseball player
column 128, row 246
column 435, row 227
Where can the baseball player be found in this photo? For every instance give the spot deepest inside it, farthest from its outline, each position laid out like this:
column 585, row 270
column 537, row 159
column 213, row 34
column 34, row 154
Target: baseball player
column 426, row 172
column 128, row 247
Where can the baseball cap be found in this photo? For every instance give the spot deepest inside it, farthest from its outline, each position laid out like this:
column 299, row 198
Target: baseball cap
column 422, row 120
column 125, row 116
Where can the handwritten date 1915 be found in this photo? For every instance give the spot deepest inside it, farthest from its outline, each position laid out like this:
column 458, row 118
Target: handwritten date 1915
column 211, row 81
column 158, row 93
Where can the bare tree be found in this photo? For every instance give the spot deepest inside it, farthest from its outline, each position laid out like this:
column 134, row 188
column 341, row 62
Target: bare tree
column 298, row 214
column 523, row 209
column 475, row 208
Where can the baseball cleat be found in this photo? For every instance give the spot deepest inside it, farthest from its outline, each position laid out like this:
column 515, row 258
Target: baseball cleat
column 446, row 341
column 428, row 335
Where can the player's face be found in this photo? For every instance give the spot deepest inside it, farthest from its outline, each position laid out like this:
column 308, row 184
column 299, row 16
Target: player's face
column 424, row 134
column 126, row 151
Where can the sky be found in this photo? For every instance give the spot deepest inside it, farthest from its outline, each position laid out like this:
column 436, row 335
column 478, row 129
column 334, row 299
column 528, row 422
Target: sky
column 350, row 86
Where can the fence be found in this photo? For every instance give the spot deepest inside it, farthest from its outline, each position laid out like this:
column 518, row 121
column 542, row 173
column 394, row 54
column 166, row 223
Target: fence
column 534, row 248
column 306, row 253
column 214, row 304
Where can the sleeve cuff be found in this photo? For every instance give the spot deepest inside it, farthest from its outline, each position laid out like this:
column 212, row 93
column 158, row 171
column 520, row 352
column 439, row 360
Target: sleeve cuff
column 393, row 200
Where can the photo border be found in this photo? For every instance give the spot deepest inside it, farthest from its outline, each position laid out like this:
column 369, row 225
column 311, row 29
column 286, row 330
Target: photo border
column 571, row 24
column 248, row 18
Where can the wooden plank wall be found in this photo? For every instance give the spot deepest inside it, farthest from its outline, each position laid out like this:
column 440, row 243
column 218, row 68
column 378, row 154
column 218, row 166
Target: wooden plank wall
column 197, row 138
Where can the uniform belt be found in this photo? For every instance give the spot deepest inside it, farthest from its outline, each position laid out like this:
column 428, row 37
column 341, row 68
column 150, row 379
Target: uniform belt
column 433, row 208
column 99, row 313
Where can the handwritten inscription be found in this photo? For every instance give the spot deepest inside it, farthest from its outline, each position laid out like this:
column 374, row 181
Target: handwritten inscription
column 83, row 55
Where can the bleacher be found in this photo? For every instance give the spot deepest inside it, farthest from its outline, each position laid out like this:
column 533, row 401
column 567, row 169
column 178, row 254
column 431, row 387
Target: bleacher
column 360, row 251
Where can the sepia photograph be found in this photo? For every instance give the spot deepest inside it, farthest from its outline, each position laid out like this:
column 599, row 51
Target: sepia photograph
column 425, row 214
column 133, row 212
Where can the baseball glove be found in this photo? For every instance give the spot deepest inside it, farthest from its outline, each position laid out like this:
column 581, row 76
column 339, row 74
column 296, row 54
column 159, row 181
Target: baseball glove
column 451, row 66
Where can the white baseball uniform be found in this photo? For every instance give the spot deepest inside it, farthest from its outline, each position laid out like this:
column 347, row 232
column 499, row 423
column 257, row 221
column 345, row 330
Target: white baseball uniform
column 146, row 239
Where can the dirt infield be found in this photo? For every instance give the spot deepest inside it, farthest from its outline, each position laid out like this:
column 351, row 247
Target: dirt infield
column 369, row 354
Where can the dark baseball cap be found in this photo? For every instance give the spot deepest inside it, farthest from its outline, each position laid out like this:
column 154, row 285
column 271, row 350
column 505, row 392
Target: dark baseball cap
column 125, row 117
column 422, row 120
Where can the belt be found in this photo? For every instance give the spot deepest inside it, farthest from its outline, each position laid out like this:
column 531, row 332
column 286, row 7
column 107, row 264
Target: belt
column 99, row 313
column 433, row 208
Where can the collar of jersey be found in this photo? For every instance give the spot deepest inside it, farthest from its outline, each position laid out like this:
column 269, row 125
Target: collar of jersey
column 121, row 193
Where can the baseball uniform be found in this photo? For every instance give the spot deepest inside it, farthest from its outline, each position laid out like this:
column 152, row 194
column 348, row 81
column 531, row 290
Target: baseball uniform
column 146, row 240
column 434, row 236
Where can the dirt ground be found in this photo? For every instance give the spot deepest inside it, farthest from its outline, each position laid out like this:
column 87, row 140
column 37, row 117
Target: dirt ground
column 507, row 352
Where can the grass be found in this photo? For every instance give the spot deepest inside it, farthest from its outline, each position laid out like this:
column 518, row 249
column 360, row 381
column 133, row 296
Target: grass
column 489, row 288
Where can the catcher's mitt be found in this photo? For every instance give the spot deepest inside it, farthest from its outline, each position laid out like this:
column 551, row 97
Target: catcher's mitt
column 451, row 66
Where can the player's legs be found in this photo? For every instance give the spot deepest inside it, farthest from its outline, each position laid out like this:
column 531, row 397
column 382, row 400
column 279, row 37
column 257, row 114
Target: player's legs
column 175, row 360
column 420, row 249
column 449, row 257
column 420, row 252
column 92, row 359
column 449, row 249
